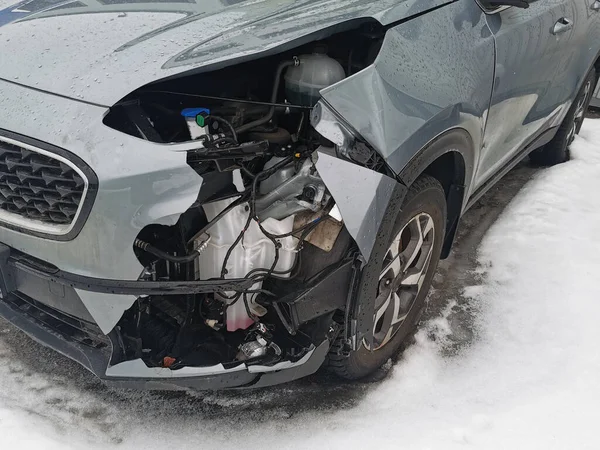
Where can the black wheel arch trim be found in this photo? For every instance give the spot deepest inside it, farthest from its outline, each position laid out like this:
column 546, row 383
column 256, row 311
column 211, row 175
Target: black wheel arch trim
column 460, row 143
column 361, row 315
column 360, row 320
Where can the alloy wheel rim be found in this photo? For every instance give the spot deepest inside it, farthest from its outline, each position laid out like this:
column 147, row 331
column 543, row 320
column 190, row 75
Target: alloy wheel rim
column 579, row 112
column 401, row 279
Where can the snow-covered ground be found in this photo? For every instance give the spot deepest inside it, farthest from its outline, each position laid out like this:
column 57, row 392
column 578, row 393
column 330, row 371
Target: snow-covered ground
column 525, row 374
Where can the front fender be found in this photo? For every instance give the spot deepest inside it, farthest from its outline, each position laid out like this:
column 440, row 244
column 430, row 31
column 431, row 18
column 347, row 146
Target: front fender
column 368, row 202
column 433, row 73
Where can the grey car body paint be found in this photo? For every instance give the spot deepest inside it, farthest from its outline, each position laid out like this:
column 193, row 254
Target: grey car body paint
column 537, row 74
column 100, row 53
column 433, row 73
column 140, row 183
column 106, row 309
column 361, row 195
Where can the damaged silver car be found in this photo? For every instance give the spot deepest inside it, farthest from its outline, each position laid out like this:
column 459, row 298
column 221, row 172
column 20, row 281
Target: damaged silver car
column 230, row 193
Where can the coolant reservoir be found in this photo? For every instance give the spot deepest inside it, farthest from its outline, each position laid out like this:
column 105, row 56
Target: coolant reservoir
column 315, row 72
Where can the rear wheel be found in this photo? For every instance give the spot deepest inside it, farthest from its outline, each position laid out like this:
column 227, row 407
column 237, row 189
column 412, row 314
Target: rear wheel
column 557, row 150
column 404, row 280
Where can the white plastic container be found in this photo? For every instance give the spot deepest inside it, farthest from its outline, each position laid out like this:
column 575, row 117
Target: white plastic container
column 304, row 82
column 254, row 251
column 190, row 114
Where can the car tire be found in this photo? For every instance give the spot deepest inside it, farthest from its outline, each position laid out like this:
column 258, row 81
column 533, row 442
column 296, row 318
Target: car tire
column 557, row 150
column 425, row 201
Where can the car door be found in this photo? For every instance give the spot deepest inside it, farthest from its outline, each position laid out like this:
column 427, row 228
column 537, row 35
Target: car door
column 582, row 50
column 530, row 45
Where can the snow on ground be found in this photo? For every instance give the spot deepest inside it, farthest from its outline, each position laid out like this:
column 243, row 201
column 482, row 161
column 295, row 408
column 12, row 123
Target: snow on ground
column 528, row 378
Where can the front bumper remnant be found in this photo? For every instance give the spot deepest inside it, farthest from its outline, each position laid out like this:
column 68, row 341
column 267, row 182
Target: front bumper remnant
column 42, row 301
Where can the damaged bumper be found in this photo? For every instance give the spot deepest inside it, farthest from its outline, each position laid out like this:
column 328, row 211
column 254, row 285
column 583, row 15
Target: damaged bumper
column 42, row 302
column 138, row 376
column 153, row 290
column 138, row 183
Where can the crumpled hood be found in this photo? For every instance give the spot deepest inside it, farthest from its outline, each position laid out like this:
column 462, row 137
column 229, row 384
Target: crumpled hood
column 101, row 50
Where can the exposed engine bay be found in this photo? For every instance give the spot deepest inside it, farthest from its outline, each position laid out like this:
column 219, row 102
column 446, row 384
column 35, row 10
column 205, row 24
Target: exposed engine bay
column 262, row 214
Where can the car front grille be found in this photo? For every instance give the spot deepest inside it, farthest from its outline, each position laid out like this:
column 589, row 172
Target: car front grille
column 38, row 185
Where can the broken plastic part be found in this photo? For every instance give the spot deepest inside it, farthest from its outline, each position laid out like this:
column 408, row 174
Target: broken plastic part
column 335, row 213
column 332, row 128
column 361, row 194
column 195, row 126
column 324, row 234
column 214, row 324
column 168, row 361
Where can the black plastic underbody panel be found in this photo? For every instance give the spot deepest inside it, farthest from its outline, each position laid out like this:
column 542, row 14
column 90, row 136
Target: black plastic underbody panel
column 56, row 334
column 96, row 360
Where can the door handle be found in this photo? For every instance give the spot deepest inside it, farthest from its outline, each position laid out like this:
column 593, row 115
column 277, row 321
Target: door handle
column 595, row 6
column 563, row 24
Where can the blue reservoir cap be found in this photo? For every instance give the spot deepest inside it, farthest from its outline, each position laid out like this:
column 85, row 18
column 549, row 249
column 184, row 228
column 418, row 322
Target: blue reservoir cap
column 193, row 112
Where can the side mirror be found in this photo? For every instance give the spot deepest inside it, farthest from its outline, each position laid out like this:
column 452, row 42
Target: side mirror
column 516, row 3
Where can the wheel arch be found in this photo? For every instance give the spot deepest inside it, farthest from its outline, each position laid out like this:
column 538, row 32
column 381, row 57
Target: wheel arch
column 450, row 158
column 455, row 146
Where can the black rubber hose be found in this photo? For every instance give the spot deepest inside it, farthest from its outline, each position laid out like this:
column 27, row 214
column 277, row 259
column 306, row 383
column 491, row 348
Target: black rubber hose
column 164, row 255
column 235, row 243
column 269, row 116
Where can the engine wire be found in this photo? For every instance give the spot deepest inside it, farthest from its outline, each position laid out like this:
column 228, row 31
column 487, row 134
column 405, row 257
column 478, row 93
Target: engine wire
column 261, row 274
column 251, row 216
